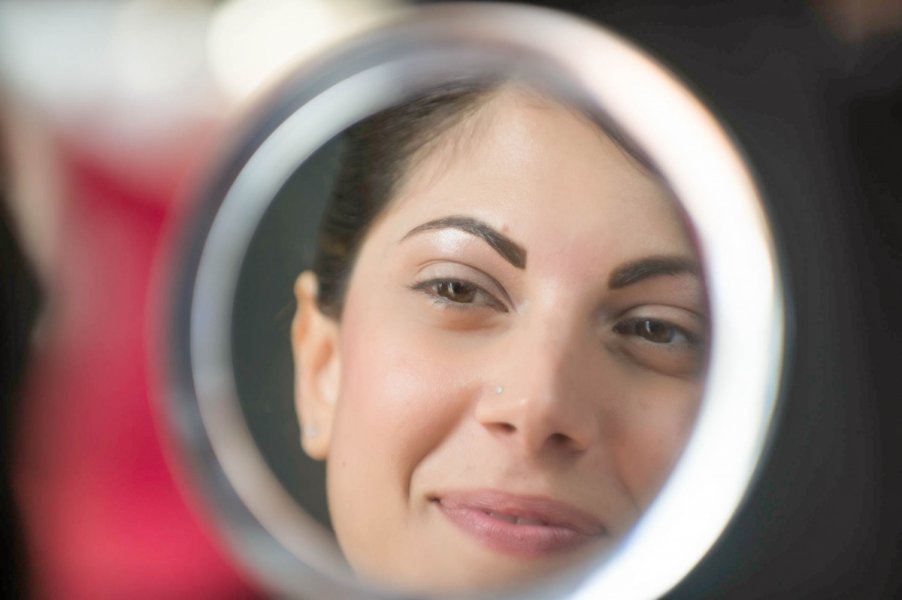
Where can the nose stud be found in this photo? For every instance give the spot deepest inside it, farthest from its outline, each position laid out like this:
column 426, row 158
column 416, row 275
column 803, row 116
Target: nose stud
column 499, row 389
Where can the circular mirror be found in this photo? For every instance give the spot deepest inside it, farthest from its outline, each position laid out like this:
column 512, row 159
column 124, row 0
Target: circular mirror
column 490, row 295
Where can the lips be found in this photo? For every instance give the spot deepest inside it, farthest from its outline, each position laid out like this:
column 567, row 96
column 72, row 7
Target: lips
column 523, row 526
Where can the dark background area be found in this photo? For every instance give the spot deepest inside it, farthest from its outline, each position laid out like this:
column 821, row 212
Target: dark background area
column 264, row 308
column 821, row 123
column 19, row 303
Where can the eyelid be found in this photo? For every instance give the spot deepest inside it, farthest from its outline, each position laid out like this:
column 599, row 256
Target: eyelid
column 696, row 333
column 466, row 273
column 427, row 286
column 666, row 294
column 692, row 338
column 670, row 313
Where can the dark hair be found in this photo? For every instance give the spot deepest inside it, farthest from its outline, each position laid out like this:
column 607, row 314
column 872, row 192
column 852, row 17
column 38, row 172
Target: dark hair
column 379, row 152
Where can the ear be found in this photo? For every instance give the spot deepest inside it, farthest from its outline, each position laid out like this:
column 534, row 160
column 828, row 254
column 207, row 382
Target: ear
column 317, row 368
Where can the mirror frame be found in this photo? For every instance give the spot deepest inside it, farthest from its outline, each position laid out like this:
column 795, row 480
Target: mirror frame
column 270, row 533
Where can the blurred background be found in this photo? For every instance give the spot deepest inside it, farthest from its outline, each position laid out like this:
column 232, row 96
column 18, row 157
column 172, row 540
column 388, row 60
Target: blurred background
column 111, row 110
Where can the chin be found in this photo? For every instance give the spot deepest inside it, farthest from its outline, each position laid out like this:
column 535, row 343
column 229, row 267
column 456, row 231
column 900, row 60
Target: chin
column 466, row 570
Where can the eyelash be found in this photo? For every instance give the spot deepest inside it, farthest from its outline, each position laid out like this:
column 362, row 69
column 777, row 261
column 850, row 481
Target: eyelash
column 631, row 327
column 431, row 288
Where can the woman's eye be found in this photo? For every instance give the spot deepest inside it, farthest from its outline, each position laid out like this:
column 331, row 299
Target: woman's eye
column 458, row 293
column 661, row 345
column 455, row 291
column 654, row 331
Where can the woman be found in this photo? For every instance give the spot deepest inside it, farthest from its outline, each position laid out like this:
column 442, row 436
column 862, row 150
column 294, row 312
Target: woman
column 500, row 349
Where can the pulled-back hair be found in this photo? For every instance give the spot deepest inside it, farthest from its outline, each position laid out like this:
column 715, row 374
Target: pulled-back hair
column 380, row 151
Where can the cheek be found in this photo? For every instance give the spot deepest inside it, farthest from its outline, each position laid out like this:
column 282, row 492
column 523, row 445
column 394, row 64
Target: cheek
column 652, row 427
column 401, row 394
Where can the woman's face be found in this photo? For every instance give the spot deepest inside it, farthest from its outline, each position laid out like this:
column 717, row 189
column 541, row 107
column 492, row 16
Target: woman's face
column 519, row 360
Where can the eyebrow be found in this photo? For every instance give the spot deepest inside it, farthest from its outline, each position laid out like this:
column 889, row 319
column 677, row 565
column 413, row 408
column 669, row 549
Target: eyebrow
column 510, row 250
column 653, row 266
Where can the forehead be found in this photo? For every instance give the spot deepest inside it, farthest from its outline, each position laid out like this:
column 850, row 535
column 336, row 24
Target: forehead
column 539, row 171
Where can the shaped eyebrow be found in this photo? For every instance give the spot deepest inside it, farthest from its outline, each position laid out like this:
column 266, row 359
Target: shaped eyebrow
column 510, row 250
column 652, row 266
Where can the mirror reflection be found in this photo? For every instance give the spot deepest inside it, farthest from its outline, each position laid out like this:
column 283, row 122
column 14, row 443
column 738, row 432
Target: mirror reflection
column 498, row 337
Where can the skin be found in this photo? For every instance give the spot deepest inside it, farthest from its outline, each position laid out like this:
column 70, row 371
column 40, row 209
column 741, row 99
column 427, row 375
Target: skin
column 600, row 384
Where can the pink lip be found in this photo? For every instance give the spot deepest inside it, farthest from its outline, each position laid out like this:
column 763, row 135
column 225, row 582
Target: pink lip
column 550, row 526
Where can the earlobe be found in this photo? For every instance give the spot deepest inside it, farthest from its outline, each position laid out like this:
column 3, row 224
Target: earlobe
column 317, row 368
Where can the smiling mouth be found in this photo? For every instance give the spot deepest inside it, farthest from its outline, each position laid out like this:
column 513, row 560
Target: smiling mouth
column 522, row 526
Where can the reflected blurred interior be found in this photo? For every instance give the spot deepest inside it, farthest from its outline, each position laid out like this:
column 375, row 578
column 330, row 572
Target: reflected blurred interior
column 282, row 247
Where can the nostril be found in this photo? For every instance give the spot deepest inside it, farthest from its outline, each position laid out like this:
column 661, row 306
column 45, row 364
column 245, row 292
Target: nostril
column 507, row 427
column 559, row 439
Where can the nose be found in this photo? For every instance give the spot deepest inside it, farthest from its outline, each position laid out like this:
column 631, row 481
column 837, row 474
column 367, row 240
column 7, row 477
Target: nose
column 546, row 399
